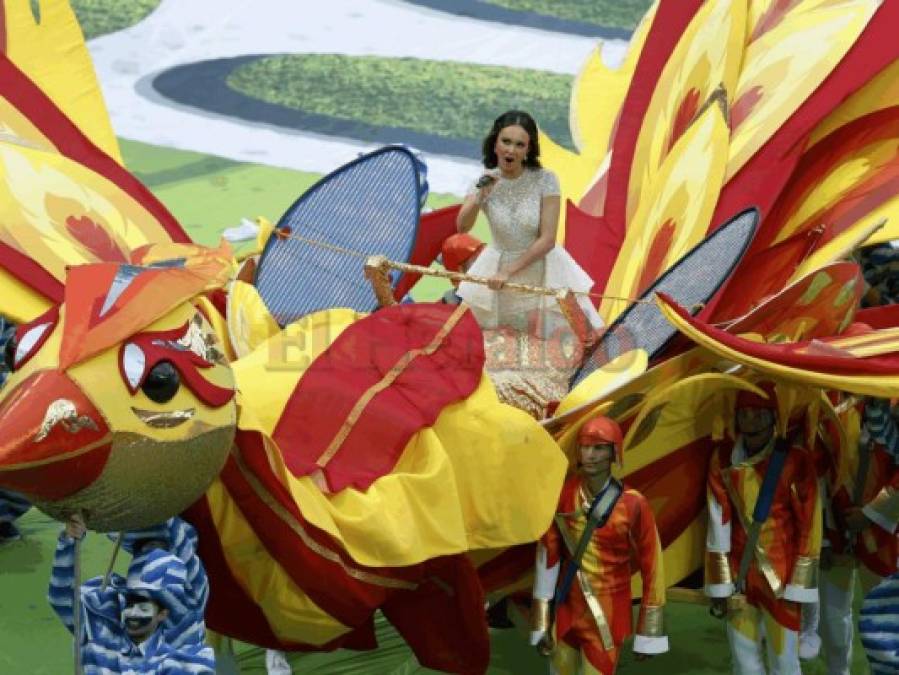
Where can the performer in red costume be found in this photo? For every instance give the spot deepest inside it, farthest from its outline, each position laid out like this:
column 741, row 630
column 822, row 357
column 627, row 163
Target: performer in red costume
column 584, row 562
column 780, row 572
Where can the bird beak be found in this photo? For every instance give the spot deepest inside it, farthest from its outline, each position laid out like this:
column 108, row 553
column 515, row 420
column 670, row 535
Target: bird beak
column 53, row 441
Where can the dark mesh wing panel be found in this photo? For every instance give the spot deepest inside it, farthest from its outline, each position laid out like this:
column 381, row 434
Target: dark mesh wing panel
column 370, row 206
column 691, row 281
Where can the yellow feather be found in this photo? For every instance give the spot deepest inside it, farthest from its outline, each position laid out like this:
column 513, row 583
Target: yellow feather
column 55, row 57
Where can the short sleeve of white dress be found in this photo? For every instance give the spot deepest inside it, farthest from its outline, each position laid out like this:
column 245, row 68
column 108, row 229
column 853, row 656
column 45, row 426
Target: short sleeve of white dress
column 549, row 184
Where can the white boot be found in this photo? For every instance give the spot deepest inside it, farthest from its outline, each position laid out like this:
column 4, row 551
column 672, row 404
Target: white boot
column 276, row 663
column 809, row 646
column 809, row 640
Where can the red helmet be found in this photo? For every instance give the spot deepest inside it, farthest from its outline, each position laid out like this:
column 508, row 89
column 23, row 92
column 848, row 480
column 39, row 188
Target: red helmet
column 749, row 399
column 458, row 249
column 599, row 430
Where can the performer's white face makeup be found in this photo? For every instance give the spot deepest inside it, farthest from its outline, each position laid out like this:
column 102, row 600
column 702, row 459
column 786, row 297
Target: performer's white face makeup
column 141, row 617
column 596, row 460
column 511, row 148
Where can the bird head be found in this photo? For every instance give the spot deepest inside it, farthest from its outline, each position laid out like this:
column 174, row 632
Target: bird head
column 120, row 404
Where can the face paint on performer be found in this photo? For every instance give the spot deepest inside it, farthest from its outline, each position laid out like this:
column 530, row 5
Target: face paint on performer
column 141, row 617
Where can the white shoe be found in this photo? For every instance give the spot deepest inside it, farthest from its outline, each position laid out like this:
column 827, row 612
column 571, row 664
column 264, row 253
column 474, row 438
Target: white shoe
column 809, row 646
column 276, row 664
column 243, row 232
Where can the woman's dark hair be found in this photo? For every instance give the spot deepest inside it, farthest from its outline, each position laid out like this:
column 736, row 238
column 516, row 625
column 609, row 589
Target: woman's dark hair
column 508, row 119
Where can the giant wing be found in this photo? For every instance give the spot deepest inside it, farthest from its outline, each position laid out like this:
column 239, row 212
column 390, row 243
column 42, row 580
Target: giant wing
column 63, row 201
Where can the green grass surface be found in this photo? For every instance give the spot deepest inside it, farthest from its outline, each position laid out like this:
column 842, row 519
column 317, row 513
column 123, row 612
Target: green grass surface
column 99, row 17
column 32, row 639
column 442, row 98
column 609, row 13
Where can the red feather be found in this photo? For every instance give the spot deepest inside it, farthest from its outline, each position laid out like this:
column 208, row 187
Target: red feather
column 95, row 240
column 686, row 111
column 432, row 230
column 661, row 244
column 743, row 106
column 772, row 17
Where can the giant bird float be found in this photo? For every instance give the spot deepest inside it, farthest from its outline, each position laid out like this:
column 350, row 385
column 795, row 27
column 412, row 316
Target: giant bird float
column 340, row 462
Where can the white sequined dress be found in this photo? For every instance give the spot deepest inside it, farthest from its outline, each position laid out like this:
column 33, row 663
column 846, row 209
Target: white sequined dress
column 513, row 212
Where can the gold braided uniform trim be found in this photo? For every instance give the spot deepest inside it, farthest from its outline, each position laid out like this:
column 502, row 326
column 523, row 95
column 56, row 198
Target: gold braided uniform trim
column 717, row 568
column 886, row 504
column 605, row 633
column 599, row 616
column 326, row 553
column 540, row 616
column 385, row 382
column 761, row 558
column 653, row 621
column 767, row 569
column 805, row 573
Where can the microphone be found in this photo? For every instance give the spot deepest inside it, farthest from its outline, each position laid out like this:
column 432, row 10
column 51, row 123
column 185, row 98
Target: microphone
column 485, row 180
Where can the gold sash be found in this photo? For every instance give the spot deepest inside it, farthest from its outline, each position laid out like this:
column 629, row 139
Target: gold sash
column 764, row 563
column 605, row 633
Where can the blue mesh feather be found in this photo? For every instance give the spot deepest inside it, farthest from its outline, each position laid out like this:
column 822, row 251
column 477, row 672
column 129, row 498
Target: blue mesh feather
column 369, row 206
column 691, row 281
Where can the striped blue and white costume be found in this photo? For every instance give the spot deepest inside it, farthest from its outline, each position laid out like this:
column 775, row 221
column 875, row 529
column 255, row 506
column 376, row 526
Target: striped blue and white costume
column 180, row 539
column 878, row 626
column 176, row 648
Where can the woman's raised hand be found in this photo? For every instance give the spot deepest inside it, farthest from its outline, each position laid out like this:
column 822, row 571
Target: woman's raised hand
column 486, row 183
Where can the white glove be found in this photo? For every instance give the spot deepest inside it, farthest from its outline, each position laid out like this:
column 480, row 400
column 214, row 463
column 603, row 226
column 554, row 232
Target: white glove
column 246, row 230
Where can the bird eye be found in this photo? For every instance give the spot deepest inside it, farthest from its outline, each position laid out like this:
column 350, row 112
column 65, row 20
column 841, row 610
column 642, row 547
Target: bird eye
column 21, row 348
column 162, row 382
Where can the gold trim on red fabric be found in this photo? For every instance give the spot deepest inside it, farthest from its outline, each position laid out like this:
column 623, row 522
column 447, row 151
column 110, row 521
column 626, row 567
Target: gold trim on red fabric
column 599, row 616
column 717, row 568
column 761, row 558
column 605, row 633
column 540, row 616
column 385, row 382
column 805, row 573
column 326, row 553
column 886, row 503
column 653, row 621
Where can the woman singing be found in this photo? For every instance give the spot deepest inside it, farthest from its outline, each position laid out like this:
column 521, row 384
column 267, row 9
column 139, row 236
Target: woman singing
column 521, row 201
